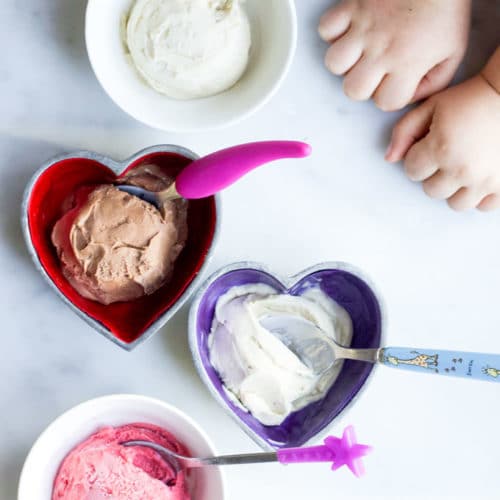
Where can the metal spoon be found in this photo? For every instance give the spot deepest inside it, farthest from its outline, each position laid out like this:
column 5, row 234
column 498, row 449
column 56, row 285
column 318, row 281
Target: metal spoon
column 213, row 173
column 341, row 451
column 320, row 352
column 225, row 5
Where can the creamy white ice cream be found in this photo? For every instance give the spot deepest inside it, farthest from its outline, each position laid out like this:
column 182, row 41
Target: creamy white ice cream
column 188, row 49
column 267, row 378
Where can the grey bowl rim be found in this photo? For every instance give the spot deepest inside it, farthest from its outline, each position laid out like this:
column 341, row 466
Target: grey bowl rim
column 287, row 281
column 117, row 167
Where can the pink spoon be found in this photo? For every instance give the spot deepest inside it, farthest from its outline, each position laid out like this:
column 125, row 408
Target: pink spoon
column 213, row 173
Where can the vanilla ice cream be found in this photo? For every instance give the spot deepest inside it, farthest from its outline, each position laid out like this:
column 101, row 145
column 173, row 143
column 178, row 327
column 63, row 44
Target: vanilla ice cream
column 256, row 368
column 188, row 49
column 115, row 247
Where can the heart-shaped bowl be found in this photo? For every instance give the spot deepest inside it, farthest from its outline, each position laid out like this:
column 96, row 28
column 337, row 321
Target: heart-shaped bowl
column 78, row 423
column 345, row 284
column 125, row 323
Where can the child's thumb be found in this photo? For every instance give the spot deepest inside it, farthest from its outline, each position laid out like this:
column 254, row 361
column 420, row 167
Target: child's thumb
column 436, row 79
column 409, row 129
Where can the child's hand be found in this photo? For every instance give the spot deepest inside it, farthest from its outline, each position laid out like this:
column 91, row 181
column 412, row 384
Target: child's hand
column 452, row 143
column 395, row 51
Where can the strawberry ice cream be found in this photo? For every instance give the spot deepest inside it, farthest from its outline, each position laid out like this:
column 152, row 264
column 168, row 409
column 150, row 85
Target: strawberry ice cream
column 101, row 468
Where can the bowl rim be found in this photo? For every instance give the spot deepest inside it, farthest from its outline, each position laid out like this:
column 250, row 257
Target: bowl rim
column 117, row 167
column 287, row 281
column 265, row 98
column 132, row 398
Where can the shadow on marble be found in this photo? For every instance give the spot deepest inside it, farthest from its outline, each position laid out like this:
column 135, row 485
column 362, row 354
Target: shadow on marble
column 484, row 35
column 175, row 337
column 23, row 158
column 9, row 476
column 317, row 47
column 69, row 28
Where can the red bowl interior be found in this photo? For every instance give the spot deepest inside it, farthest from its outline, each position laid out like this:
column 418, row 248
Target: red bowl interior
column 126, row 320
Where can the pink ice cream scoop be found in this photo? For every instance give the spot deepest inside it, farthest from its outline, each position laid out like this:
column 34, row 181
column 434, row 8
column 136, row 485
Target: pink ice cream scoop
column 101, row 468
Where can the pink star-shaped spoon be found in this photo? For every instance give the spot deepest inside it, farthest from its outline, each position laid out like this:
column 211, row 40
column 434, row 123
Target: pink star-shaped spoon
column 340, row 451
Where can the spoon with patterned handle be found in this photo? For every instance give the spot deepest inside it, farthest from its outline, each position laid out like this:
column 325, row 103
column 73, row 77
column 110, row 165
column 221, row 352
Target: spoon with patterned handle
column 320, row 352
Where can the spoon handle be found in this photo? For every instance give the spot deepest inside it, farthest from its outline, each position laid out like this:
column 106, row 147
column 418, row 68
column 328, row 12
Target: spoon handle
column 339, row 451
column 211, row 174
column 244, row 458
column 475, row 365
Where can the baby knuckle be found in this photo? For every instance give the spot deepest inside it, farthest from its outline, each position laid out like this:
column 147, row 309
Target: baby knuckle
column 331, row 62
column 490, row 184
column 412, row 170
column 485, row 208
column 436, row 189
column 386, row 103
column 489, row 203
column 456, row 171
column 462, row 172
column 352, row 90
column 401, row 128
column 429, row 190
column 456, row 205
column 441, row 146
column 365, row 24
column 382, row 102
column 378, row 49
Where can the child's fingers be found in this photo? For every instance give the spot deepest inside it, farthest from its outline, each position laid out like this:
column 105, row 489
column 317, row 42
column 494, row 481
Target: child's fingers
column 490, row 202
column 343, row 54
column 362, row 80
column 436, row 79
column 395, row 91
column 465, row 199
column 420, row 163
column 441, row 186
column 335, row 22
column 411, row 128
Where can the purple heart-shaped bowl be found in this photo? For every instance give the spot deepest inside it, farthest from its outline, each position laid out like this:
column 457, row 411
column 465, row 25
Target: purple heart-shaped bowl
column 345, row 284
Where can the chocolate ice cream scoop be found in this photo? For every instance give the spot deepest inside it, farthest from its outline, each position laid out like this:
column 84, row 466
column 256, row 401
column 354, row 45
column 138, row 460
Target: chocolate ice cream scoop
column 115, row 247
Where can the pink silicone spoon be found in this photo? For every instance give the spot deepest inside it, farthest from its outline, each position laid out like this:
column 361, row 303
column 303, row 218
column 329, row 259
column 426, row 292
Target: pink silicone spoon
column 339, row 451
column 213, row 173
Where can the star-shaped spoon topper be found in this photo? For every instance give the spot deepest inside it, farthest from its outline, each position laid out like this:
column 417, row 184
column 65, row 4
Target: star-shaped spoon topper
column 347, row 451
column 340, row 451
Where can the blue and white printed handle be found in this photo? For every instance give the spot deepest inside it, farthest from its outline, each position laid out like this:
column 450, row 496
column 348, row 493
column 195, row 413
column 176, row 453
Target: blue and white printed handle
column 455, row 363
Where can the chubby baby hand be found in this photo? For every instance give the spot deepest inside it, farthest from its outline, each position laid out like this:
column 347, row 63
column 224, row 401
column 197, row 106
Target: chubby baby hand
column 395, row 51
column 451, row 143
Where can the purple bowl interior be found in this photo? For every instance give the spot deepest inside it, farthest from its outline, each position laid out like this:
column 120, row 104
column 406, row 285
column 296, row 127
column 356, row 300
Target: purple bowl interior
column 348, row 290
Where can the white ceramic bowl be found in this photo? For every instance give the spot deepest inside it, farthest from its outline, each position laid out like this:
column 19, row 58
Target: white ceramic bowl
column 80, row 422
column 274, row 38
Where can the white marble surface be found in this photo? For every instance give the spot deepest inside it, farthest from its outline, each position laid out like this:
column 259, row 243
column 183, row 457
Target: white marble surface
column 439, row 270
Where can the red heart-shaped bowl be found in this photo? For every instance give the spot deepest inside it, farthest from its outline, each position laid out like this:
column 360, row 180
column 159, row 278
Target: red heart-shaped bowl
column 125, row 323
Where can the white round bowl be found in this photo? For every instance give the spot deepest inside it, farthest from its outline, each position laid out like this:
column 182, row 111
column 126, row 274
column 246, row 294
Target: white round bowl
column 274, row 38
column 77, row 424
